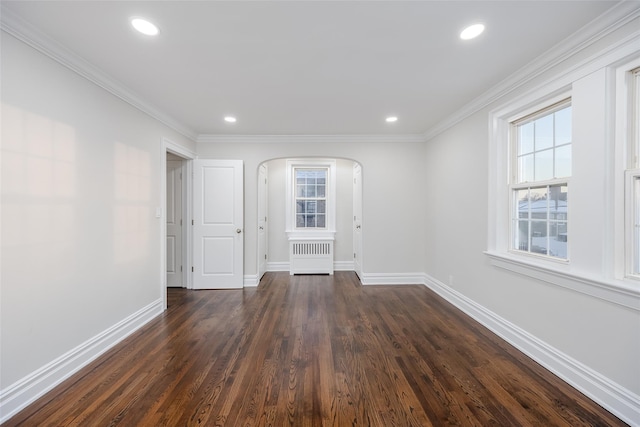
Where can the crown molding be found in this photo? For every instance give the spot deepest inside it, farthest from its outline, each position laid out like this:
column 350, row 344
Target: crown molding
column 30, row 35
column 613, row 19
column 297, row 139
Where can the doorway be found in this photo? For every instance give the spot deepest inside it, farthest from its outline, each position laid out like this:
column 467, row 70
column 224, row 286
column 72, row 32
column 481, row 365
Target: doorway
column 172, row 152
column 175, row 216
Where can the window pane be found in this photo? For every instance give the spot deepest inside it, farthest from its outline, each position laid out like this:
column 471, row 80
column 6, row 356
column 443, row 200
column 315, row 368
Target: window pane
column 310, row 207
column 543, row 165
column 563, row 126
column 300, row 191
column 558, row 202
column 300, row 221
column 522, row 199
column 558, row 239
column 539, row 241
column 521, row 235
column 563, row 161
column 320, row 221
column 322, row 206
column 525, row 168
column 311, row 221
column 525, row 138
column 310, row 191
column 320, row 190
column 300, row 207
column 538, row 203
column 544, row 132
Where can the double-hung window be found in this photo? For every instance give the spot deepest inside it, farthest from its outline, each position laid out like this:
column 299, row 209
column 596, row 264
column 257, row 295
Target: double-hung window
column 633, row 176
column 310, row 198
column 539, row 182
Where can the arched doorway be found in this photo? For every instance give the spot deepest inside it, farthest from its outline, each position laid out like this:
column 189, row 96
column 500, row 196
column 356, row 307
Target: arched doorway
column 273, row 245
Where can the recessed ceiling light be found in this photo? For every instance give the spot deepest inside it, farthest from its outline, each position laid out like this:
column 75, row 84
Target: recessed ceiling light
column 472, row 31
column 144, row 26
column 230, row 119
column 391, row 119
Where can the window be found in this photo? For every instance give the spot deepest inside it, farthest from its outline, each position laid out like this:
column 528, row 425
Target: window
column 632, row 181
column 310, row 197
column 539, row 183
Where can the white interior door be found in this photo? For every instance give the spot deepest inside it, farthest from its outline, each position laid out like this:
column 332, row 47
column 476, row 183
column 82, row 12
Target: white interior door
column 262, row 220
column 357, row 219
column 218, row 224
column 174, row 223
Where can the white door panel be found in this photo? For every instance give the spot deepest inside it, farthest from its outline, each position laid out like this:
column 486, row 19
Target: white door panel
column 174, row 223
column 218, row 224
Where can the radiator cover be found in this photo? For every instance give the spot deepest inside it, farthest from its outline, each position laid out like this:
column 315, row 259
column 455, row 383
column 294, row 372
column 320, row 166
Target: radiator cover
column 310, row 256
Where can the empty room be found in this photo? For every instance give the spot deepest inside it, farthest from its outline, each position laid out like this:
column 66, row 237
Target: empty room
column 331, row 213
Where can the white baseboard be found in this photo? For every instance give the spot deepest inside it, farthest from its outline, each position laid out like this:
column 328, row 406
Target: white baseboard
column 284, row 266
column 25, row 391
column 617, row 399
column 392, row 278
column 343, row 266
column 277, row 266
column 251, row 280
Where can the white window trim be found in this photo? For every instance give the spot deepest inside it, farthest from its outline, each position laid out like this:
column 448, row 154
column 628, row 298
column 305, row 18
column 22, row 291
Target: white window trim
column 501, row 170
column 330, row 230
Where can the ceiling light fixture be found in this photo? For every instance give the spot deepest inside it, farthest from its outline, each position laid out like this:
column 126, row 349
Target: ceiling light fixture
column 144, row 26
column 230, row 119
column 472, row 31
column 391, row 119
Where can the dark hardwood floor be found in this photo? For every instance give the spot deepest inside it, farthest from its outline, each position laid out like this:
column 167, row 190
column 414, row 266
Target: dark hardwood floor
column 312, row 351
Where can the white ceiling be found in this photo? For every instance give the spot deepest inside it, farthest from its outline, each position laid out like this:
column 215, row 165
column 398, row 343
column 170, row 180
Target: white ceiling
column 308, row 67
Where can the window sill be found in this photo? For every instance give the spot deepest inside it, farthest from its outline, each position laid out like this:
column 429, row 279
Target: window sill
column 311, row 235
column 616, row 291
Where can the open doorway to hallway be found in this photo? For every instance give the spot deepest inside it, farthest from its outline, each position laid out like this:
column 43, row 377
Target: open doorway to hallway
column 175, row 219
column 176, row 202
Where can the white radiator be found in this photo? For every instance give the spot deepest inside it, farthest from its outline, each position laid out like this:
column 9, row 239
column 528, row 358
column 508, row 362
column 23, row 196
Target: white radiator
column 311, row 256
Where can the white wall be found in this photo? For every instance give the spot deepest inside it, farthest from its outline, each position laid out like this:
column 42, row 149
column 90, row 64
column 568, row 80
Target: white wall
column 278, row 249
column 393, row 177
column 599, row 336
column 81, row 179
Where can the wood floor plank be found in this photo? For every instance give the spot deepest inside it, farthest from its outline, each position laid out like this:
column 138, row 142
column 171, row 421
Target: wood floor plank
column 313, row 351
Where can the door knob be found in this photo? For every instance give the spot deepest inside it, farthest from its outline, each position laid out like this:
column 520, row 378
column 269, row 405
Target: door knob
column 238, row 230
column 261, row 228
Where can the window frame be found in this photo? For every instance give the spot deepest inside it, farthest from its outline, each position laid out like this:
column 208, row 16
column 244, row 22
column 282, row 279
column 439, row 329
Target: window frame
column 537, row 111
column 628, row 97
column 297, row 198
column 330, row 195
